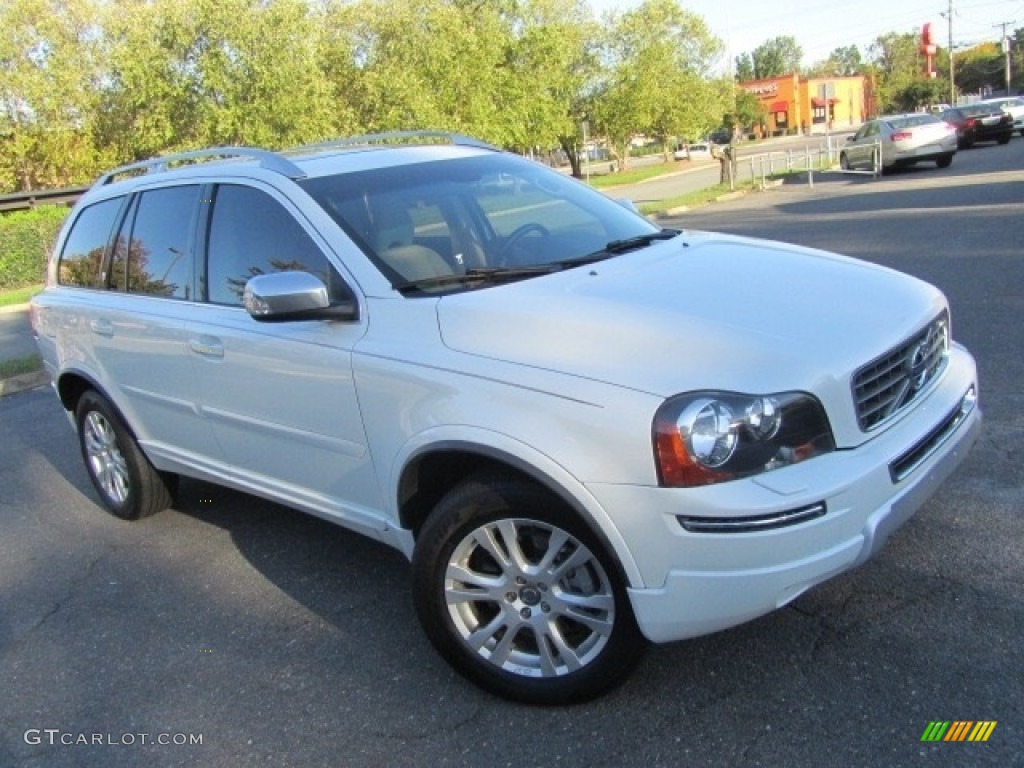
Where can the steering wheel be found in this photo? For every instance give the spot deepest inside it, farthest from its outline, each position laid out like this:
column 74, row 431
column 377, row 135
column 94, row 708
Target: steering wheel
column 518, row 234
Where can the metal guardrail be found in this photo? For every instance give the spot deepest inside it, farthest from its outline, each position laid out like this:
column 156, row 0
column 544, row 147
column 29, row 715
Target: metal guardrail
column 810, row 160
column 23, row 201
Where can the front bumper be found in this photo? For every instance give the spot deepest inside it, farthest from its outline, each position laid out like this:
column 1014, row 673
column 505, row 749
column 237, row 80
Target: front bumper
column 696, row 583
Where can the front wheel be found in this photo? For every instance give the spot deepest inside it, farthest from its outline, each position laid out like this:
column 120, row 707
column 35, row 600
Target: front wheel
column 130, row 487
column 944, row 161
column 844, row 161
column 518, row 594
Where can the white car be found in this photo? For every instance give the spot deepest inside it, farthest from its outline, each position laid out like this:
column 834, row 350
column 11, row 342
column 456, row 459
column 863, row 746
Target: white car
column 1014, row 105
column 895, row 141
column 586, row 432
column 704, row 151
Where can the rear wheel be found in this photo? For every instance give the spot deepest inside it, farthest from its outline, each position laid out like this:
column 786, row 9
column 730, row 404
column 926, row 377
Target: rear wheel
column 944, row 161
column 130, row 487
column 518, row 595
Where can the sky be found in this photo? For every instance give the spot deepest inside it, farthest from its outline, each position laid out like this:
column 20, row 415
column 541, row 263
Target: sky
column 821, row 26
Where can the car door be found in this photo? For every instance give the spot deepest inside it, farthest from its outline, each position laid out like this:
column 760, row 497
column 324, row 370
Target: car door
column 136, row 332
column 861, row 150
column 280, row 396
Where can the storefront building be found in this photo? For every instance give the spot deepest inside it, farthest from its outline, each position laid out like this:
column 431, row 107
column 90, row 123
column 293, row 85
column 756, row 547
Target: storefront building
column 814, row 105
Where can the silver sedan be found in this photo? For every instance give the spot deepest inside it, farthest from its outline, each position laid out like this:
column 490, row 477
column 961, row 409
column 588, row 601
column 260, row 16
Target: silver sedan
column 893, row 141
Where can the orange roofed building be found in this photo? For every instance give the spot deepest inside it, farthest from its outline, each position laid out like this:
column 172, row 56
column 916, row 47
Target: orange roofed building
column 812, row 105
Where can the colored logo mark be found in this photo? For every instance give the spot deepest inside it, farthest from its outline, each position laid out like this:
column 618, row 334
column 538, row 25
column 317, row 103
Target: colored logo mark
column 958, row 730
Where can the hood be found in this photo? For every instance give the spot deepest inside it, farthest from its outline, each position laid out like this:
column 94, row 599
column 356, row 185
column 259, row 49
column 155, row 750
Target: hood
column 699, row 311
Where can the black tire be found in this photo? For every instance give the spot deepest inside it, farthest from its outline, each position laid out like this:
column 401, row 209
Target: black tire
column 944, row 161
column 130, row 487
column 1005, row 138
column 556, row 628
column 844, row 161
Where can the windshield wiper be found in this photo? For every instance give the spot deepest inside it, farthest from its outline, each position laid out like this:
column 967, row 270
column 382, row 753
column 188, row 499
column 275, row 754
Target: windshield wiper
column 641, row 241
column 507, row 274
column 480, row 275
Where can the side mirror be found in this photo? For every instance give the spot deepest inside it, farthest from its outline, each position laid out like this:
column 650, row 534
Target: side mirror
column 284, row 296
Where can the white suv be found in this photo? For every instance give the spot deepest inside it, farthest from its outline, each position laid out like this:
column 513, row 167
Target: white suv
column 585, row 432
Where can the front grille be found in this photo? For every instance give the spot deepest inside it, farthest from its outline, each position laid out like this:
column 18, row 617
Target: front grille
column 889, row 383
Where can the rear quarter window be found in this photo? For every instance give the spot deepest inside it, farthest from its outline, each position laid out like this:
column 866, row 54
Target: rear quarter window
column 81, row 259
column 153, row 255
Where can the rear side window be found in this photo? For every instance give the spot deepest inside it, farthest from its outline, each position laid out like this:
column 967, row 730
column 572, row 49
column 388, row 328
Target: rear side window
column 252, row 234
column 153, row 252
column 82, row 257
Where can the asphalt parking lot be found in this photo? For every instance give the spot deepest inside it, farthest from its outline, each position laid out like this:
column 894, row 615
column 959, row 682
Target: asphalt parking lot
column 233, row 632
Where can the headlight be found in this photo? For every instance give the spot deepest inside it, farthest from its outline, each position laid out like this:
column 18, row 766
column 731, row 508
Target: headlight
column 711, row 437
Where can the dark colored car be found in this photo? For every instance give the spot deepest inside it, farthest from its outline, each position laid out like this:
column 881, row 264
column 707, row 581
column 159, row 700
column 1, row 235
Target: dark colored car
column 979, row 122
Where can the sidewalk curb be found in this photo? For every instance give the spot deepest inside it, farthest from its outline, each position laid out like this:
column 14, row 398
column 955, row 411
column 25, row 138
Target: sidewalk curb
column 13, row 308
column 23, row 382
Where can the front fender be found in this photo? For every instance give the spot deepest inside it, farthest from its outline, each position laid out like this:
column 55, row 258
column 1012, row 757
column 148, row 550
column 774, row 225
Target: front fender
column 524, row 458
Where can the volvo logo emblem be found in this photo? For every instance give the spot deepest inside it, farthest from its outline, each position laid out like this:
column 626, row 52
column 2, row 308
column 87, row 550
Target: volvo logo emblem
column 917, row 366
column 917, row 363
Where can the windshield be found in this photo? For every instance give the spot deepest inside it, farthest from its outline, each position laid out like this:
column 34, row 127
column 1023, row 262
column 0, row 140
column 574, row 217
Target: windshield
column 424, row 225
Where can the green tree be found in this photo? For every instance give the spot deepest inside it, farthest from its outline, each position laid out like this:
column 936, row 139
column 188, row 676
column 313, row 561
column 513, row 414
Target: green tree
column 842, row 62
column 430, row 63
column 197, row 73
column 748, row 111
column 778, row 56
column 657, row 80
column 553, row 59
column 898, row 70
column 188, row 73
column 48, row 79
column 981, row 68
column 744, row 68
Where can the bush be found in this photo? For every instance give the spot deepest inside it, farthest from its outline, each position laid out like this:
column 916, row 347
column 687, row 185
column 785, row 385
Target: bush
column 26, row 238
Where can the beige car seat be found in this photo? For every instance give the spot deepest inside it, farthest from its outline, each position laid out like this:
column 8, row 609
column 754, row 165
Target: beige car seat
column 394, row 243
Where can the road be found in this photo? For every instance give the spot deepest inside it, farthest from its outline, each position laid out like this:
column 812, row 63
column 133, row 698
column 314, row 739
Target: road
column 280, row 640
column 702, row 174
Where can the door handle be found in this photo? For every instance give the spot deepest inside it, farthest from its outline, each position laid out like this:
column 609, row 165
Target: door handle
column 102, row 327
column 207, row 346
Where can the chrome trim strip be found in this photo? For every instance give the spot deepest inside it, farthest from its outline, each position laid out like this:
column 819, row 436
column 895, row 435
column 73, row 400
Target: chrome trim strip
column 756, row 523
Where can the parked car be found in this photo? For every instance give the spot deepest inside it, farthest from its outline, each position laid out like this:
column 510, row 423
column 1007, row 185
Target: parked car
column 894, row 141
column 979, row 122
column 1012, row 104
column 702, row 151
column 585, row 431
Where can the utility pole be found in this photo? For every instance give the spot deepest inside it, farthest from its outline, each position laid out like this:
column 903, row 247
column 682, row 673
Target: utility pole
column 1005, row 42
column 952, row 87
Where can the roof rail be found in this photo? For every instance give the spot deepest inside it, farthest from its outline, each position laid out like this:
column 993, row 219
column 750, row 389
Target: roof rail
column 401, row 137
column 267, row 159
